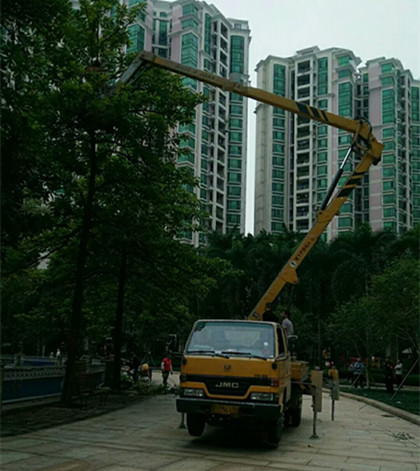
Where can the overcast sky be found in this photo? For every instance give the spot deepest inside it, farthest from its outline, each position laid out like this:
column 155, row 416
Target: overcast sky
column 370, row 28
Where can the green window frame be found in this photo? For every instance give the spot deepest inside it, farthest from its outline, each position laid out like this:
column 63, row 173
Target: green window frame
column 344, row 60
column 389, row 212
column 387, row 68
column 234, row 177
column 322, row 157
column 234, row 190
column 345, row 222
column 388, row 185
column 189, row 9
column 235, row 163
column 389, row 199
column 322, row 170
column 136, row 36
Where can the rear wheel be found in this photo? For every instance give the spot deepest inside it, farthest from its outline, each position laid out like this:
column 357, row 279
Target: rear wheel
column 274, row 431
column 296, row 412
column 195, row 424
column 296, row 416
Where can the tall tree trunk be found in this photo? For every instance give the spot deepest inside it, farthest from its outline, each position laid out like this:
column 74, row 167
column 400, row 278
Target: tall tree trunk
column 74, row 340
column 116, row 382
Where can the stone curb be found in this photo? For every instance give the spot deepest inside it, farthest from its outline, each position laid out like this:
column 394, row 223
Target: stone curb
column 415, row 419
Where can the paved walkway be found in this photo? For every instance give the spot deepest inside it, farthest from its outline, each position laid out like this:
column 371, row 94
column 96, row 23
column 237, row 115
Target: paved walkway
column 146, row 436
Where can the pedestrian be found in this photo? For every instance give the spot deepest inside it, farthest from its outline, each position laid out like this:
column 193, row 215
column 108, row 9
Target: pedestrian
column 398, row 371
column 389, row 375
column 268, row 315
column 358, row 374
column 286, row 322
column 350, row 370
column 166, row 367
column 134, row 367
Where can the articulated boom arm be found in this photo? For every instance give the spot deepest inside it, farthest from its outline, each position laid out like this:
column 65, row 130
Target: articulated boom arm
column 364, row 143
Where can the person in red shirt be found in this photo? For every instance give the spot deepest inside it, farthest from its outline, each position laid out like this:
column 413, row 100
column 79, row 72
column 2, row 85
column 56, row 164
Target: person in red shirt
column 166, row 367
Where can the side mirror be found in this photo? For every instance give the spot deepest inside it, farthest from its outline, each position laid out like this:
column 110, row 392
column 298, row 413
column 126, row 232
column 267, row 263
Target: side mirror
column 292, row 339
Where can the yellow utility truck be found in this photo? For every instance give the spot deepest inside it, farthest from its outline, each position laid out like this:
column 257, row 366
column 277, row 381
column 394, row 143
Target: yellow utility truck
column 244, row 369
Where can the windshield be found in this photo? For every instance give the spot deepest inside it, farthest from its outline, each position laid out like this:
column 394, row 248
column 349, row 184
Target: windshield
column 232, row 338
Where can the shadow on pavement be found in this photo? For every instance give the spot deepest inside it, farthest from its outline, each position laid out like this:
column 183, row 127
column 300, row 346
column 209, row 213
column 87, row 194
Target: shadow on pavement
column 23, row 418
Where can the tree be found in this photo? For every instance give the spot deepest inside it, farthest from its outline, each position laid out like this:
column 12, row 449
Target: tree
column 95, row 148
column 396, row 301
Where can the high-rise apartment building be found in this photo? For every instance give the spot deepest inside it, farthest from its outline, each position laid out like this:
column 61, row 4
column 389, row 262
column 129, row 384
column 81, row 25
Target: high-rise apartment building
column 297, row 158
column 197, row 34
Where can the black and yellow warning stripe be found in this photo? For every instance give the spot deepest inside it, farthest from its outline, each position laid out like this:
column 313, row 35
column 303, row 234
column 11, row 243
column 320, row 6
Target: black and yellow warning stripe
column 307, row 111
column 351, row 184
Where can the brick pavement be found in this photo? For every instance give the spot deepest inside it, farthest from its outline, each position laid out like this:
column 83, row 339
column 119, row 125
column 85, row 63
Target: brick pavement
column 146, row 436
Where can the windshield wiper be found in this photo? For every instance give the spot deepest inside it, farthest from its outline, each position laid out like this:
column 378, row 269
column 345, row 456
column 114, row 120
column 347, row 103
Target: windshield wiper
column 206, row 352
column 249, row 354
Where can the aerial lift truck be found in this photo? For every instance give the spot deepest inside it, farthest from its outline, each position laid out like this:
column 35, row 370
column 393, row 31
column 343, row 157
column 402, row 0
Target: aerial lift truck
column 243, row 369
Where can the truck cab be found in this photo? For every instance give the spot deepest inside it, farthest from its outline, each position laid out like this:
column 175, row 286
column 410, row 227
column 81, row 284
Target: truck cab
column 235, row 370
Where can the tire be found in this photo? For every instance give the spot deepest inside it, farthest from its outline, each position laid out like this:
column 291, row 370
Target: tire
column 296, row 413
column 195, row 424
column 296, row 416
column 274, row 431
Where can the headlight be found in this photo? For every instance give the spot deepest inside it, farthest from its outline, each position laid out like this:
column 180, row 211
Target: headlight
column 258, row 396
column 193, row 392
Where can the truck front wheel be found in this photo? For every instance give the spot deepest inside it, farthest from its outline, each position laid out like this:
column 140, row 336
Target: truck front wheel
column 195, row 424
column 274, row 431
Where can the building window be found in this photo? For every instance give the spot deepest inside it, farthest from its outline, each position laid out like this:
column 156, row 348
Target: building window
column 237, row 54
column 387, row 68
column 235, row 123
column 207, row 33
column 278, row 135
column 323, row 104
column 386, row 186
column 235, row 163
column 236, row 110
column 388, row 106
column 235, row 150
column 190, row 23
column 387, row 81
column 278, row 187
column 389, row 212
column 345, row 99
column 322, row 157
column 278, row 200
column 234, row 177
column 388, row 132
column 234, row 219
column 322, row 183
column 322, row 170
column 234, row 190
column 136, row 37
column 189, row 9
column 235, row 136
column 322, row 76
column 279, row 79
column 388, row 172
column 234, row 205
column 389, row 199
column 322, row 130
column 278, row 149
column 345, row 222
column 344, row 73
column 278, row 161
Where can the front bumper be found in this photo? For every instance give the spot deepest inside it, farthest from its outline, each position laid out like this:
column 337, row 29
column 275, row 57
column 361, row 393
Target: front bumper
column 240, row 409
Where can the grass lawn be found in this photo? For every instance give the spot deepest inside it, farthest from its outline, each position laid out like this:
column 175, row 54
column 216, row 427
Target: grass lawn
column 405, row 399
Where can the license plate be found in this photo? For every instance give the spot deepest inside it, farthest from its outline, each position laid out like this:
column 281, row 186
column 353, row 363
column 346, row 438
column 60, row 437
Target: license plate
column 225, row 410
